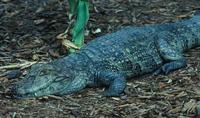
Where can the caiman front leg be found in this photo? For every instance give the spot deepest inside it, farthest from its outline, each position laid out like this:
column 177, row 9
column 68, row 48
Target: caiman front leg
column 173, row 59
column 115, row 82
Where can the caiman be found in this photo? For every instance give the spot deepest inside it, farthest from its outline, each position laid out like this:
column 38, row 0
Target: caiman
column 113, row 58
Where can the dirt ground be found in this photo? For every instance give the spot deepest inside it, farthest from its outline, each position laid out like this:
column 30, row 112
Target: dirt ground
column 27, row 33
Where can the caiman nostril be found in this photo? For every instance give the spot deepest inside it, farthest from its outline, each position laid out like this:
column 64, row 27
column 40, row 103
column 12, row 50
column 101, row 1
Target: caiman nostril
column 13, row 93
column 13, row 90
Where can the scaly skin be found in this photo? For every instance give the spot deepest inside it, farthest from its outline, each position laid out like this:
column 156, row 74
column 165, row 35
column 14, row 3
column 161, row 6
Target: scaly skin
column 110, row 59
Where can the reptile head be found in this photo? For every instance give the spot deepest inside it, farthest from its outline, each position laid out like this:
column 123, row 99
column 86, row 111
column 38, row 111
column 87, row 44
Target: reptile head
column 45, row 79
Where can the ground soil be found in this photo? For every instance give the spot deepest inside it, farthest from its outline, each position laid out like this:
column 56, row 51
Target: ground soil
column 27, row 33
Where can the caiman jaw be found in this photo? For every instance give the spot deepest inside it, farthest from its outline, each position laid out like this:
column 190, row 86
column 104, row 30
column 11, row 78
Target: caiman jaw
column 16, row 95
column 60, row 86
column 43, row 80
column 21, row 92
column 40, row 77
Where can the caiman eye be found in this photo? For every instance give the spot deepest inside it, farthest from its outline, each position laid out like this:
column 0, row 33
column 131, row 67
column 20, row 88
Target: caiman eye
column 44, row 72
column 47, row 71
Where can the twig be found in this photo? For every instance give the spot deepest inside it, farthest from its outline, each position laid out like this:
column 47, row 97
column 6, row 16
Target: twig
column 18, row 65
column 63, row 37
column 56, row 97
column 67, row 43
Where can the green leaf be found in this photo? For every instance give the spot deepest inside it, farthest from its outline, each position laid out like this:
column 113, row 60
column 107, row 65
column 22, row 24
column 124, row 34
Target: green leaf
column 81, row 21
column 73, row 7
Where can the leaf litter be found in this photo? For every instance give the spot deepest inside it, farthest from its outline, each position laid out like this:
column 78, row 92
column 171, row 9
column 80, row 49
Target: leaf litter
column 28, row 33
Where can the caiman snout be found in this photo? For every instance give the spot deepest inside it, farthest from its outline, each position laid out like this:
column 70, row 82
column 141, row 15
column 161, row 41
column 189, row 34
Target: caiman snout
column 40, row 77
column 13, row 93
column 45, row 79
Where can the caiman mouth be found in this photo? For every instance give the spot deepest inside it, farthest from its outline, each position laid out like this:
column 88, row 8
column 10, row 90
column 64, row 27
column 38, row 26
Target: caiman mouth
column 20, row 90
column 16, row 95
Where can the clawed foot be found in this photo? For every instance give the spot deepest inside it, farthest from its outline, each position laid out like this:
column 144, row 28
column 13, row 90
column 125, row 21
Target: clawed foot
column 172, row 66
column 164, row 70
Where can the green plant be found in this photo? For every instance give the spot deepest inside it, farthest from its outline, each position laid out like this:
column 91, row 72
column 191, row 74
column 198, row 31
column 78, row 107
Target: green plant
column 80, row 9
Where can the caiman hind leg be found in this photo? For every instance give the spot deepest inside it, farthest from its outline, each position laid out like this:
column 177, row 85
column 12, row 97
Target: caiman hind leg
column 173, row 59
column 115, row 82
